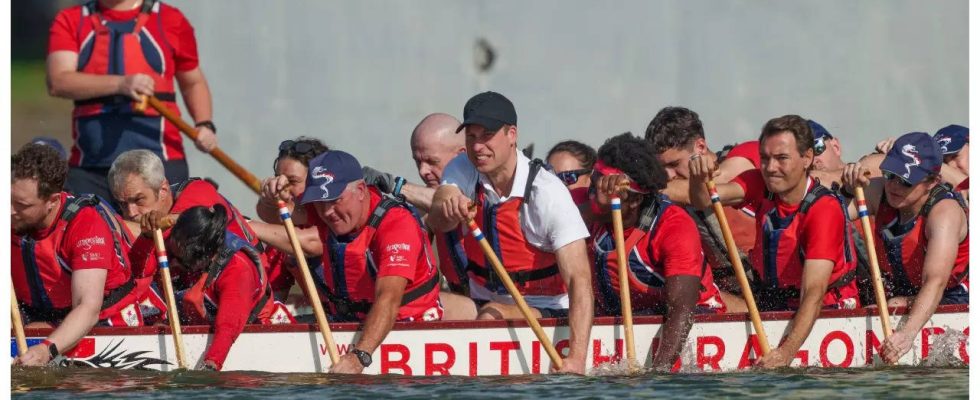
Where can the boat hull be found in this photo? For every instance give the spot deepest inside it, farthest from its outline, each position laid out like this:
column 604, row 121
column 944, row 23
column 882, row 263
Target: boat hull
column 841, row 339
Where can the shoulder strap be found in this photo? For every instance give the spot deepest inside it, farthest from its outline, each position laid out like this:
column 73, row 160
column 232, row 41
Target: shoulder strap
column 816, row 191
column 387, row 203
column 723, row 153
column 177, row 188
column 941, row 191
column 534, row 167
column 148, row 6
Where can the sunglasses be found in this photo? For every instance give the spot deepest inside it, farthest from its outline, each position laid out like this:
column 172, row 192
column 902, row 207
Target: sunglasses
column 819, row 146
column 294, row 147
column 572, row 176
column 890, row 176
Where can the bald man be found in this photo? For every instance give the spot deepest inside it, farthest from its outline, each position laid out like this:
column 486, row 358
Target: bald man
column 434, row 143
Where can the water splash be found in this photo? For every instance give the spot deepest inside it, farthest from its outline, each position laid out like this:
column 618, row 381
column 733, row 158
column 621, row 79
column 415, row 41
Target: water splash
column 619, row 367
column 945, row 349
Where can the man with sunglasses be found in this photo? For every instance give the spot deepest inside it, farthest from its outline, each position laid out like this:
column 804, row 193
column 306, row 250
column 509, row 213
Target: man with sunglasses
column 803, row 255
column 529, row 219
column 921, row 234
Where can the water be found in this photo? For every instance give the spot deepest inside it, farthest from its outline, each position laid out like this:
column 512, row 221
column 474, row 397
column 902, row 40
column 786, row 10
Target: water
column 813, row 383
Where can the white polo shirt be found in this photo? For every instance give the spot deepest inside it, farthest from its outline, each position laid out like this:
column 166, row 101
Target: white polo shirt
column 549, row 222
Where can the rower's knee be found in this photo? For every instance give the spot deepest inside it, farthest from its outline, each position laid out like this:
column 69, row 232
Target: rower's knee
column 490, row 311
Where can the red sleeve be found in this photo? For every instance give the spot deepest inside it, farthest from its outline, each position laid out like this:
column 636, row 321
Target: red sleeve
column 182, row 40
column 88, row 242
column 63, row 34
column 823, row 231
column 681, row 253
column 280, row 276
column 397, row 246
column 235, row 289
column 747, row 150
column 754, row 187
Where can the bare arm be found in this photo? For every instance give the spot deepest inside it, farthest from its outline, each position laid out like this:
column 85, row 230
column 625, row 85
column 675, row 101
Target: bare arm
column 379, row 321
column 197, row 96
column 732, row 167
column 701, row 170
column 275, row 235
column 65, row 81
column 853, row 176
column 86, row 291
column 677, row 191
column 418, row 196
column 575, row 272
column 449, row 208
column 682, row 296
column 945, row 229
column 816, row 274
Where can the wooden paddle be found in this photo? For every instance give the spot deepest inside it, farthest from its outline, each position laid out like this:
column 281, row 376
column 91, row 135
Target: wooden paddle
column 624, row 285
column 869, row 242
column 737, row 265
column 168, row 291
column 312, row 294
column 17, row 322
column 498, row 268
column 219, row 155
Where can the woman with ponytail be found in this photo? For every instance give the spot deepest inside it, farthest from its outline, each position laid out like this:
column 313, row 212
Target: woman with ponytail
column 229, row 289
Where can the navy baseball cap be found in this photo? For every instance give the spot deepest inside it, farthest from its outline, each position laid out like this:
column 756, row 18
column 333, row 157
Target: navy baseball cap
column 819, row 132
column 952, row 138
column 54, row 143
column 329, row 175
column 490, row 110
column 914, row 156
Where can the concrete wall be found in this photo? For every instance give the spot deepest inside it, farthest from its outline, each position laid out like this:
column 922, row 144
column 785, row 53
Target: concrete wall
column 360, row 75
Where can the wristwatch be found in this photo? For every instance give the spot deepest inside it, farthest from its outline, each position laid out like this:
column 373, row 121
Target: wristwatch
column 208, row 124
column 362, row 356
column 52, row 348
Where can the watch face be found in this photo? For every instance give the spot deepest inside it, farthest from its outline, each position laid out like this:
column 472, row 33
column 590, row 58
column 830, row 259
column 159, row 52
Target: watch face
column 363, row 356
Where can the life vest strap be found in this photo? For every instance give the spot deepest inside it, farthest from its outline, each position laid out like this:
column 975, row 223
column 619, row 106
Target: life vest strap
column 519, row 277
column 118, row 99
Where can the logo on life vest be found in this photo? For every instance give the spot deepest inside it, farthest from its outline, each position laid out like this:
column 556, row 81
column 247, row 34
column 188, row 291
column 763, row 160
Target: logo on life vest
column 911, row 152
column 322, row 173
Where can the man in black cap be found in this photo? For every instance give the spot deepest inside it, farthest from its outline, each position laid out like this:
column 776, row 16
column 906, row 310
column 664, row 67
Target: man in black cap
column 528, row 217
column 921, row 234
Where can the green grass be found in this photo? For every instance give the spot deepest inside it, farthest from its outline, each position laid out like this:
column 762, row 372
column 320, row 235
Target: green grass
column 27, row 81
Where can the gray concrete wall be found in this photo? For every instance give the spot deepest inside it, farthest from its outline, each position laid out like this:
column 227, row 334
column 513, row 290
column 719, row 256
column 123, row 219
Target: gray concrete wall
column 360, row 74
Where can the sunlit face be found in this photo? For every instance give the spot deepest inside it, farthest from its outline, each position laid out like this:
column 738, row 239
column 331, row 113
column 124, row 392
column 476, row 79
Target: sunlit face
column 28, row 212
column 295, row 172
column 960, row 160
column 490, row 151
column 431, row 157
column 567, row 163
column 136, row 197
column 675, row 160
column 344, row 215
column 830, row 158
column 783, row 168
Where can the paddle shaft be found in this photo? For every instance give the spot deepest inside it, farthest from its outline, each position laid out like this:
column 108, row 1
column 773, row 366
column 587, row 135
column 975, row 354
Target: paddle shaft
column 876, row 280
column 247, row 177
column 168, row 292
column 313, row 295
column 736, row 260
column 17, row 322
column 498, row 268
column 624, row 285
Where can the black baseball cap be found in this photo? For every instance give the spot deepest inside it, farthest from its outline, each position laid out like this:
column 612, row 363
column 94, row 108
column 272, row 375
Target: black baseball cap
column 490, row 110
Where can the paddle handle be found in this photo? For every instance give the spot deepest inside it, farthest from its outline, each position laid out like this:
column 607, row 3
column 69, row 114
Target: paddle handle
column 17, row 322
column 624, row 285
column 736, row 260
column 247, row 177
column 168, row 292
column 876, row 280
column 498, row 268
column 311, row 292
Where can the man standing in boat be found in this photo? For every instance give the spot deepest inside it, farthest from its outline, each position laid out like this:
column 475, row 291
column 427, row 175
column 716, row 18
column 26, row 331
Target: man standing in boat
column 668, row 272
column 69, row 262
column 529, row 218
column 803, row 254
column 921, row 234
column 377, row 260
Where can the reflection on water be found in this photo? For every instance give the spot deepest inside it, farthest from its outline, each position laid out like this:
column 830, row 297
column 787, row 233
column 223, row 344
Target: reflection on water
column 813, row 383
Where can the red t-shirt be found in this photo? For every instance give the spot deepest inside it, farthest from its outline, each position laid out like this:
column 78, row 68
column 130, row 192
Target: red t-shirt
column 747, row 150
column 234, row 293
column 86, row 243
column 820, row 233
column 398, row 247
column 179, row 34
column 201, row 193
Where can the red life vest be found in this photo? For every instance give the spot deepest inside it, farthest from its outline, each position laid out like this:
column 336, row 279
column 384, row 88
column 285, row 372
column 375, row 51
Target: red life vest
column 240, row 228
column 200, row 298
column 110, row 50
column 902, row 246
column 533, row 271
column 42, row 278
column 351, row 263
column 453, row 262
column 778, row 257
column 647, row 277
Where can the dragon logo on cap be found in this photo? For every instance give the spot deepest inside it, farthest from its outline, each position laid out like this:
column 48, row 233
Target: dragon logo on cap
column 944, row 143
column 912, row 153
column 322, row 173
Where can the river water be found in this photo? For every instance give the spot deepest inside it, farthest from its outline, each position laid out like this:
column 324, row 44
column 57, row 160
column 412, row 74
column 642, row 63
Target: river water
column 812, row 383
